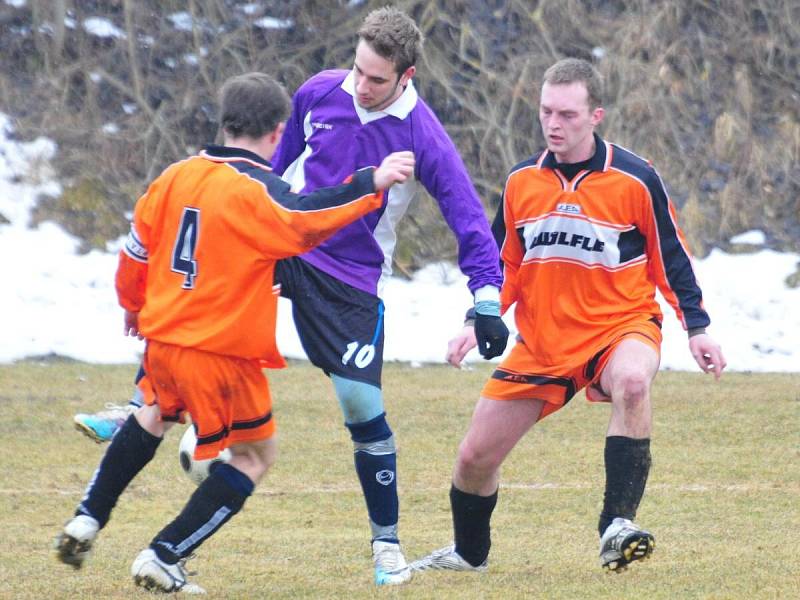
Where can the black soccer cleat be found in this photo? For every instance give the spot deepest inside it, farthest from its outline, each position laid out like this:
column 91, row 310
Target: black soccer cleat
column 624, row 542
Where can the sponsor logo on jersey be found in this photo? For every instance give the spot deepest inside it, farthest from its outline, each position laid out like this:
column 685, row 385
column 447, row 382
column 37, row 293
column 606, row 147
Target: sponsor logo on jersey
column 565, row 238
column 572, row 209
column 575, row 239
column 318, row 125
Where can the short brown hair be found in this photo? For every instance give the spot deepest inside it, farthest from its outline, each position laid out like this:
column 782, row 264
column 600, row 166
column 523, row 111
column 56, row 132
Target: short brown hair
column 393, row 35
column 570, row 70
column 252, row 105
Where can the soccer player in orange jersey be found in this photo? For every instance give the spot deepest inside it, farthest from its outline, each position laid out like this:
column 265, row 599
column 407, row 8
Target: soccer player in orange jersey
column 588, row 232
column 196, row 280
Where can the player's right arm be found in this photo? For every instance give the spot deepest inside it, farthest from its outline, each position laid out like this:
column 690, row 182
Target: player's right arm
column 293, row 140
column 511, row 251
column 131, row 275
column 307, row 96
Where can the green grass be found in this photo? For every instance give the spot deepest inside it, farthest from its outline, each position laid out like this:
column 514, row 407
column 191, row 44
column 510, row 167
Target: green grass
column 723, row 498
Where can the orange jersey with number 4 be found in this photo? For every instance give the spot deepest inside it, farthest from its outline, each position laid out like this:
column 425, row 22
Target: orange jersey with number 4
column 199, row 262
column 583, row 258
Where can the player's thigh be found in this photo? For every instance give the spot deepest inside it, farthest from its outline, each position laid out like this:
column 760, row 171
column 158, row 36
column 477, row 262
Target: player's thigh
column 340, row 327
column 263, row 452
column 228, row 397
column 632, row 359
column 496, row 427
column 149, row 418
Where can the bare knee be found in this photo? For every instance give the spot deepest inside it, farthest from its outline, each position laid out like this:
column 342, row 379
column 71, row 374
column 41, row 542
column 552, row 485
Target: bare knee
column 632, row 389
column 473, row 465
column 149, row 418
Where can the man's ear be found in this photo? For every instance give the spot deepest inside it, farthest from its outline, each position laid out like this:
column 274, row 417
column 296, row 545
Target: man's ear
column 407, row 75
column 597, row 116
column 277, row 133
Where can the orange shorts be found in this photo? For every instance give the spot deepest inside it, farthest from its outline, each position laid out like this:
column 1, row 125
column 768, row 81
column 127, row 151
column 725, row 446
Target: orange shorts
column 521, row 377
column 227, row 397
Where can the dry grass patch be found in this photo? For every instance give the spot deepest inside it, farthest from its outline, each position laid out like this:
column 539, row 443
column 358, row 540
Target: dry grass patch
column 722, row 499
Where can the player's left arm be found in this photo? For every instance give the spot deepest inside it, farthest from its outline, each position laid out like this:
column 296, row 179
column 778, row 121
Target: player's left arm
column 510, row 258
column 444, row 175
column 670, row 264
column 668, row 257
column 442, row 172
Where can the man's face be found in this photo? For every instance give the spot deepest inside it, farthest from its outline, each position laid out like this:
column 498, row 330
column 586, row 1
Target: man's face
column 376, row 81
column 567, row 121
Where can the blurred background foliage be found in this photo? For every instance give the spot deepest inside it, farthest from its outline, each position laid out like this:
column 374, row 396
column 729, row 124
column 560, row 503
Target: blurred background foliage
column 708, row 90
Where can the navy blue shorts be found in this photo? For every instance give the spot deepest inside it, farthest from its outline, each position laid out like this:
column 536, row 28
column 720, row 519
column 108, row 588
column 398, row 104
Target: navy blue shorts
column 340, row 327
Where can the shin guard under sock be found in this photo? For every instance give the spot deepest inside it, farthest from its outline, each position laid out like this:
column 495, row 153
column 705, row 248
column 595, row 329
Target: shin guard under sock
column 376, row 465
column 627, row 463
column 213, row 504
column 471, row 517
column 127, row 454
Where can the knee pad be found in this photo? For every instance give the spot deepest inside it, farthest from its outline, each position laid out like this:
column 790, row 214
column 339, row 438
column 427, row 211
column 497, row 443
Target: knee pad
column 373, row 436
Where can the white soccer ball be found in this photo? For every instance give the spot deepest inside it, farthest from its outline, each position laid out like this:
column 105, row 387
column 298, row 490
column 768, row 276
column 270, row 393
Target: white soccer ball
column 197, row 470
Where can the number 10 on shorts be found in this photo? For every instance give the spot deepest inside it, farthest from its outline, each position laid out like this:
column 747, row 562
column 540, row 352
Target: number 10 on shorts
column 363, row 356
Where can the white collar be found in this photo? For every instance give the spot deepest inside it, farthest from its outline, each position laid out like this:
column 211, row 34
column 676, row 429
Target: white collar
column 400, row 108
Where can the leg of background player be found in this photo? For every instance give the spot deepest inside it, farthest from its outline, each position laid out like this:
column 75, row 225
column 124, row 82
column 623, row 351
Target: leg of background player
column 102, row 425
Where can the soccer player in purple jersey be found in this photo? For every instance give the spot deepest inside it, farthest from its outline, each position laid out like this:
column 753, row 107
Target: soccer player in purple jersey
column 341, row 121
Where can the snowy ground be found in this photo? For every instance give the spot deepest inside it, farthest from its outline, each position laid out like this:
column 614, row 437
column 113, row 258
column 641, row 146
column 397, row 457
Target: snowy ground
column 55, row 301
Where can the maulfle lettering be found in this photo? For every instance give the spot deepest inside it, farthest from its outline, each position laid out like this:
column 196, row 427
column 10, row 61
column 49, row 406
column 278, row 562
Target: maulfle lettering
column 572, row 239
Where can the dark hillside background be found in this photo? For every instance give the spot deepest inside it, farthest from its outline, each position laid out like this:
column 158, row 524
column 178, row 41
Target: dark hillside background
column 708, row 90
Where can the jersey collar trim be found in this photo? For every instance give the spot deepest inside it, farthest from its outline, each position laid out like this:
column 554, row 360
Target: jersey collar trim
column 599, row 162
column 400, row 108
column 227, row 153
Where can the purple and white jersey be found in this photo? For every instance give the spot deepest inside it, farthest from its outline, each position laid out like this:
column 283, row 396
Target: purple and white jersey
column 329, row 136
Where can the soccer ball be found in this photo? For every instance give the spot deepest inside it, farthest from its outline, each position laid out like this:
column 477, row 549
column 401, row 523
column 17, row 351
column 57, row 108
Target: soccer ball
column 197, row 470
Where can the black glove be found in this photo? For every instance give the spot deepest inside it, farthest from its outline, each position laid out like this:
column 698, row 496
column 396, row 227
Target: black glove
column 490, row 331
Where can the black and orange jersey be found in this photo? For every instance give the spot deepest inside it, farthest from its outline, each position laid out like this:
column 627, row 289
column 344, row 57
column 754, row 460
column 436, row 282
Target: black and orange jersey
column 583, row 257
column 200, row 258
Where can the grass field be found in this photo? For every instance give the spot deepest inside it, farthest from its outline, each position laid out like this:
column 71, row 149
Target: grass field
column 723, row 499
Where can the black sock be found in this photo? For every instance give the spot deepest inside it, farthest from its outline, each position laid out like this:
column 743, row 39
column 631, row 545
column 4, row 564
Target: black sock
column 471, row 516
column 129, row 451
column 213, row 504
column 627, row 466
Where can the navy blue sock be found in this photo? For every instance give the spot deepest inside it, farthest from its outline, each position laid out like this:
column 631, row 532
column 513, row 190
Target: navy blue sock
column 627, row 466
column 376, row 464
column 127, row 454
column 213, row 504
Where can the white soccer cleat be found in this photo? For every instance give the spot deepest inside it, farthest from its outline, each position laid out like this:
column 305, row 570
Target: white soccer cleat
column 74, row 543
column 154, row 575
column 446, row 559
column 390, row 564
column 624, row 542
